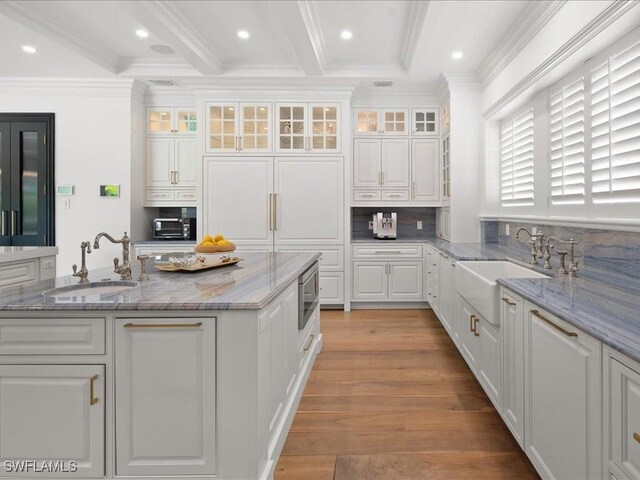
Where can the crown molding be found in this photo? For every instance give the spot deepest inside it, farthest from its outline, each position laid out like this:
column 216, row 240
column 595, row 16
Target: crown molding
column 441, row 88
column 467, row 82
column 26, row 14
column 416, row 16
column 76, row 87
column 526, row 27
column 166, row 21
column 309, row 12
column 155, row 67
column 609, row 15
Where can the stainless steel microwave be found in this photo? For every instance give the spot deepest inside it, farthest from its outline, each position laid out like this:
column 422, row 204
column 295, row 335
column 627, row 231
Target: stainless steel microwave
column 174, row 229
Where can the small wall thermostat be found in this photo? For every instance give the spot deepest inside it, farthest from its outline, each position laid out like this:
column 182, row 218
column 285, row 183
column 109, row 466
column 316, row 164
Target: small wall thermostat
column 64, row 190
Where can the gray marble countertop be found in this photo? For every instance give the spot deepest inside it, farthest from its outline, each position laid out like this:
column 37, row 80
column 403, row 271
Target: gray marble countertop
column 171, row 242
column 248, row 285
column 389, row 241
column 14, row 254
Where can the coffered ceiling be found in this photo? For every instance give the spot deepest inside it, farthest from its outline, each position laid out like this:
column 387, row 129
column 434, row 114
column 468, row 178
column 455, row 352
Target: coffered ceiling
column 408, row 41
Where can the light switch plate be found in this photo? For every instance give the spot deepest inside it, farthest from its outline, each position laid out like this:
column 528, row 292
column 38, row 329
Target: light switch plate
column 370, row 225
column 419, row 226
column 66, row 203
column 534, row 230
column 507, row 229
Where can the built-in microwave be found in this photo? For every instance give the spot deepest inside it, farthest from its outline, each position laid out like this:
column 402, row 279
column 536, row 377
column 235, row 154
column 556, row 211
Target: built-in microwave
column 174, row 228
column 308, row 294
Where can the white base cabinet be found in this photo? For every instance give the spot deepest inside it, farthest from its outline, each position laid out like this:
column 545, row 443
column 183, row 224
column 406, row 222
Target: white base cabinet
column 165, row 404
column 563, row 398
column 52, row 413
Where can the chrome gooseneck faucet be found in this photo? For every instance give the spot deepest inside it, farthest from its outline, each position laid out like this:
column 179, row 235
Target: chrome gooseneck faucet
column 573, row 262
column 536, row 242
column 125, row 269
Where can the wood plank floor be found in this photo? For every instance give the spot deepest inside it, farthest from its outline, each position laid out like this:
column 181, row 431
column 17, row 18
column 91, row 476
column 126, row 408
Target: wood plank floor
column 390, row 398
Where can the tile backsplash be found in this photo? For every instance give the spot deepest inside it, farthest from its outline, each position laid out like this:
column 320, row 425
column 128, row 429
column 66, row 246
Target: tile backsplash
column 407, row 221
column 598, row 249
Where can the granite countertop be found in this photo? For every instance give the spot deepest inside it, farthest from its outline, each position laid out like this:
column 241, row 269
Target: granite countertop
column 13, row 254
column 248, row 285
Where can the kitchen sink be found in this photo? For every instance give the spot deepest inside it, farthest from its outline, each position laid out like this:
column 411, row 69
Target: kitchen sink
column 90, row 289
column 476, row 283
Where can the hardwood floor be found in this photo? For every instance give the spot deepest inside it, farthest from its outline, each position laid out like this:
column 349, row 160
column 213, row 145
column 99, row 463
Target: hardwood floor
column 390, row 398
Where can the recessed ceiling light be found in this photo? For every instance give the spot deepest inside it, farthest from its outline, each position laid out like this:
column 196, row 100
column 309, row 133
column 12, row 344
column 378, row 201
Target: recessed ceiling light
column 457, row 55
column 142, row 33
column 346, row 34
column 243, row 34
column 29, row 49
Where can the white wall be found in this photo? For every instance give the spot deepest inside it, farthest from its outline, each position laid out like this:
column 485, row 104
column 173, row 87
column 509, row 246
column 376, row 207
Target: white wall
column 93, row 147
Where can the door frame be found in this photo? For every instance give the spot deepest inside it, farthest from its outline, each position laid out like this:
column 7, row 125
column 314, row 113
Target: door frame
column 49, row 121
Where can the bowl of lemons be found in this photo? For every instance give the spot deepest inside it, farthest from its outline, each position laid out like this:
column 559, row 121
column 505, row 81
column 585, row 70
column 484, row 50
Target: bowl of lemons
column 217, row 244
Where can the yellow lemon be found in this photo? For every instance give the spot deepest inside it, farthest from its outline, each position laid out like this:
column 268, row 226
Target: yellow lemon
column 207, row 238
column 208, row 244
column 224, row 242
column 218, row 237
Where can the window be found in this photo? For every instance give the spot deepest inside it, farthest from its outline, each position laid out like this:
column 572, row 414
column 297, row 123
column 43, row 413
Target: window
column 615, row 128
column 567, row 144
column 516, row 152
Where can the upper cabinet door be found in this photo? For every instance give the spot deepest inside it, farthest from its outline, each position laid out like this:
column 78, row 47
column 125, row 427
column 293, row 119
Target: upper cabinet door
column 291, row 136
column 395, row 162
column 367, row 163
column 324, row 131
column 186, row 121
column 395, row 121
column 366, row 121
column 222, row 131
column 160, row 121
column 424, row 159
column 185, row 162
column 425, row 121
column 255, row 127
column 160, row 152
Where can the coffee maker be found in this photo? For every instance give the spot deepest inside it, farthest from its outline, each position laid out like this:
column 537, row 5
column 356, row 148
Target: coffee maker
column 385, row 225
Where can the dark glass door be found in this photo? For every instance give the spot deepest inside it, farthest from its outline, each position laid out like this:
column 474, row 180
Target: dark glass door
column 26, row 213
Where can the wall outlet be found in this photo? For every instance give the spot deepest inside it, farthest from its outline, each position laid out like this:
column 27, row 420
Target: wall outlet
column 534, row 230
column 370, row 225
column 419, row 225
column 507, row 229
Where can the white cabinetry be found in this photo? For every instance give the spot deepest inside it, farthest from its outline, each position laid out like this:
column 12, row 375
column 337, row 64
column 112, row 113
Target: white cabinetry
column 563, row 398
column 425, row 121
column 380, row 121
column 512, row 323
column 23, row 272
column 621, row 415
column 446, row 289
column 308, row 127
column 467, row 320
column 381, row 164
column 171, row 157
column 51, row 413
column 387, row 273
column 165, row 404
column 238, row 127
column 425, row 166
column 433, row 278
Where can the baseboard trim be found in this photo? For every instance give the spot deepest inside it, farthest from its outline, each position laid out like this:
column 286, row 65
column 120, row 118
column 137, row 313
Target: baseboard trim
column 388, row 305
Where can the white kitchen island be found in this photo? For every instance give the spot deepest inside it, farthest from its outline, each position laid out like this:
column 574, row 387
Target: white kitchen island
column 180, row 375
column 23, row 265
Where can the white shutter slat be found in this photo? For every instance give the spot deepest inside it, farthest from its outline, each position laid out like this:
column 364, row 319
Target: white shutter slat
column 516, row 152
column 615, row 136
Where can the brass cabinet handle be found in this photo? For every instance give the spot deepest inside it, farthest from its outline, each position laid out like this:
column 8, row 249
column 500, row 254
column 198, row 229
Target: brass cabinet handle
column 175, row 173
column 310, row 342
column 162, row 325
column 413, row 190
column 271, row 211
column 475, row 326
column 471, row 317
column 636, row 437
column 275, row 211
column 92, row 399
column 550, row 323
column 507, row 301
column 3, row 223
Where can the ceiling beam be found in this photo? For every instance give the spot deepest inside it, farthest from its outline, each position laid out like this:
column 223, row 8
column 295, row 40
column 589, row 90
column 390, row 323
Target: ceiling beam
column 27, row 15
column 167, row 22
column 414, row 22
column 300, row 22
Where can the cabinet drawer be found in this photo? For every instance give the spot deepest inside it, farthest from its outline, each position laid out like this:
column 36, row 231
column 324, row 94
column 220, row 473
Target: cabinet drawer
column 309, row 337
column 52, row 336
column 366, row 195
column 160, row 195
column 17, row 273
column 624, row 401
column 331, row 258
column 186, row 195
column 331, row 288
column 395, row 195
column 387, row 251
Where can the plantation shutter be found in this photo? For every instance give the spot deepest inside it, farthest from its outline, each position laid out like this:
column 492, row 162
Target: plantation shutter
column 615, row 129
column 568, row 145
column 516, row 152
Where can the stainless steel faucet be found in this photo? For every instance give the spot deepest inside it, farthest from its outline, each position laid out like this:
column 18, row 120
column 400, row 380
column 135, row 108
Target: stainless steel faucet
column 535, row 242
column 573, row 263
column 83, row 274
column 125, row 269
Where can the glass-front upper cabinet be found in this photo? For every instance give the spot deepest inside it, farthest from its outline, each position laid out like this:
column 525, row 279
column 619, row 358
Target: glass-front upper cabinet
column 381, row 121
column 235, row 127
column 308, row 127
column 425, row 121
column 171, row 121
column 446, row 168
